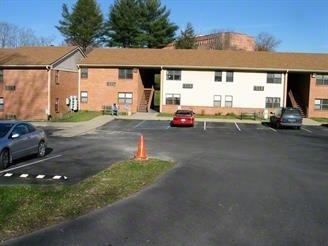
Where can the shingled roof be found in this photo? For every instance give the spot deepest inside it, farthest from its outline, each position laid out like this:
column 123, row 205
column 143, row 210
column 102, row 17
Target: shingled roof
column 206, row 59
column 34, row 56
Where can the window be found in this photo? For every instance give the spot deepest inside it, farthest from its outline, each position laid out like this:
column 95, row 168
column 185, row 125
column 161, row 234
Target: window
column 322, row 79
column 1, row 104
column 172, row 99
column 10, row 87
column 1, row 75
column 274, row 78
column 217, row 101
column 321, row 104
column 57, row 77
column 173, row 75
column 258, row 88
column 84, row 73
column 272, row 102
column 57, row 105
column 84, row 96
column 218, row 76
column 125, row 73
column 228, row 101
column 229, row 77
column 125, row 98
column 187, row 86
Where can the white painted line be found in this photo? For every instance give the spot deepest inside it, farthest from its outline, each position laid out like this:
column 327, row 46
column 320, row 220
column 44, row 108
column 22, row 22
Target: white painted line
column 272, row 129
column 237, row 126
column 139, row 124
column 40, row 176
column 29, row 164
column 306, row 129
column 25, row 175
column 56, row 177
column 204, row 125
column 8, row 174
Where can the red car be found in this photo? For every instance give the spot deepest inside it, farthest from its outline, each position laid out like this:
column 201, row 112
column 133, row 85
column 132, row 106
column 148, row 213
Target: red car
column 183, row 118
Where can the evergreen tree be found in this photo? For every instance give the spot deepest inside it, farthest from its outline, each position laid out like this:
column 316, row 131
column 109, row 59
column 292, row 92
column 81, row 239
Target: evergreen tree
column 123, row 26
column 139, row 23
column 84, row 26
column 187, row 39
column 157, row 31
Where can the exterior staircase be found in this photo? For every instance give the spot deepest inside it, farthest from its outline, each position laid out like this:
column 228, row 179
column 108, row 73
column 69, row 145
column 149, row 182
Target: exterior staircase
column 296, row 102
column 145, row 101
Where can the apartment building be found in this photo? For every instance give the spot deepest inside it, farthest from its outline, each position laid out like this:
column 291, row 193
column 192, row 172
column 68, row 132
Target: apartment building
column 36, row 81
column 206, row 81
column 223, row 41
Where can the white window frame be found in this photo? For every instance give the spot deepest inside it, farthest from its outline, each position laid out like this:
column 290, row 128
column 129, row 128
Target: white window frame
column 228, row 100
column 125, row 98
column 217, row 100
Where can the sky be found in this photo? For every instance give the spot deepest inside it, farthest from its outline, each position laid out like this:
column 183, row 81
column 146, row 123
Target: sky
column 299, row 25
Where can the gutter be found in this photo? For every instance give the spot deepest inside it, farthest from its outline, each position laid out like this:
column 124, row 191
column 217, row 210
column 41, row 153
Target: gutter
column 201, row 67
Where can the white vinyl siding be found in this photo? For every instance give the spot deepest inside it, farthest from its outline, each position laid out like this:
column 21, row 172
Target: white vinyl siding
column 241, row 89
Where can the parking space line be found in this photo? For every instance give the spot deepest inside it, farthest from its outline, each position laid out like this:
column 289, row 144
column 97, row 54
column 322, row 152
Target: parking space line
column 237, row 126
column 306, row 129
column 139, row 124
column 29, row 164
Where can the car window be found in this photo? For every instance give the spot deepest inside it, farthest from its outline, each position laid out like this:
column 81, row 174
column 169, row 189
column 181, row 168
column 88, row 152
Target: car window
column 184, row 113
column 21, row 129
column 30, row 128
column 289, row 112
column 4, row 129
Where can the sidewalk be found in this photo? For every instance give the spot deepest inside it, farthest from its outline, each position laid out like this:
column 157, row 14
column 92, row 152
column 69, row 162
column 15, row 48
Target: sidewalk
column 71, row 129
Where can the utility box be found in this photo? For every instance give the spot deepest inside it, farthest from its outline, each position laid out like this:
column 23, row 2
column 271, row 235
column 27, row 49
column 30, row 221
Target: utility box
column 266, row 114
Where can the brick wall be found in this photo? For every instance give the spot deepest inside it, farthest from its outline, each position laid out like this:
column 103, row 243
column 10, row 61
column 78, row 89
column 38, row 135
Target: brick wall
column 28, row 100
column 63, row 85
column 103, row 86
column 317, row 92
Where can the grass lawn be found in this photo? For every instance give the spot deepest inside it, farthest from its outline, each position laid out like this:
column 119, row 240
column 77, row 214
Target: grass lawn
column 321, row 120
column 77, row 116
column 26, row 208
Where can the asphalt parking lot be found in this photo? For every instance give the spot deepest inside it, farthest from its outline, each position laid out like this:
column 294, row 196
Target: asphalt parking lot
column 234, row 184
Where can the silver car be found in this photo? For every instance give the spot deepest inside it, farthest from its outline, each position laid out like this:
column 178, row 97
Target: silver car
column 19, row 139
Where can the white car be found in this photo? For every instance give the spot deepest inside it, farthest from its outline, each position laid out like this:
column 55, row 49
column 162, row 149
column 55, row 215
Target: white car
column 19, row 139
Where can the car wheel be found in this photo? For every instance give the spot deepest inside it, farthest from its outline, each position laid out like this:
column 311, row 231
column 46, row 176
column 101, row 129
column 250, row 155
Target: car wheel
column 277, row 125
column 298, row 127
column 41, row 149
column 5, row 158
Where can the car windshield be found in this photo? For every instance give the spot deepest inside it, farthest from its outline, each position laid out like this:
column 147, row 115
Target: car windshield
column 4, row 128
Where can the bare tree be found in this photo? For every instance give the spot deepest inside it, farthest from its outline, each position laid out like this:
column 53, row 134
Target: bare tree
column 266, row 42
column 12, row 36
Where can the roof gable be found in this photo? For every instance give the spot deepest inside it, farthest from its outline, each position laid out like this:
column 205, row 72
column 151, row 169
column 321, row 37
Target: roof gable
column 35, row 56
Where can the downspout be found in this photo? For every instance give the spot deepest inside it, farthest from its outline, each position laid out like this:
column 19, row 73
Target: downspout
column 47, row 110
column 161, row 89
column 78, row 87
column 285, row 92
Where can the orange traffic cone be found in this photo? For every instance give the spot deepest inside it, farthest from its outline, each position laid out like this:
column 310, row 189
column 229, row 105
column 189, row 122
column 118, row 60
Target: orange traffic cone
column 141, row 153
